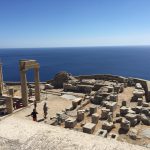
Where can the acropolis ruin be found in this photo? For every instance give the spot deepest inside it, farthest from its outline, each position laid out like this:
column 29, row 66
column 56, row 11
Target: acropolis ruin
column 87, row 111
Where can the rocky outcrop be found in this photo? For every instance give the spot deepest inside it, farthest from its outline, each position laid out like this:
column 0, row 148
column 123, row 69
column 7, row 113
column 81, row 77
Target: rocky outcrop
column 59, row 79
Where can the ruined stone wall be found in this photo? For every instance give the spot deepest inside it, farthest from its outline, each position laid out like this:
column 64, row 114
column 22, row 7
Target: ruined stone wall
column 103, row 77
column 146, row 86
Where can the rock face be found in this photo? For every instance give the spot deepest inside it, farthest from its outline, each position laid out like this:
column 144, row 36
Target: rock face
column 60, row 78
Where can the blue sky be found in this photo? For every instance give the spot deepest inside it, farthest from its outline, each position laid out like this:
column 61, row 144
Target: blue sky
column 63, row 23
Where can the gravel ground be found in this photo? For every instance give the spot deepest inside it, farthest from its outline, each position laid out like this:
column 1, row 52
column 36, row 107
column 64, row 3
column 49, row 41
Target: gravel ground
column 22, row 134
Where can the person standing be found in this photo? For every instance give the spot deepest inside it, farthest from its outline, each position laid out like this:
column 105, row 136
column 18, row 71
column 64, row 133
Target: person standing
column 45, row 109
column 34, row 115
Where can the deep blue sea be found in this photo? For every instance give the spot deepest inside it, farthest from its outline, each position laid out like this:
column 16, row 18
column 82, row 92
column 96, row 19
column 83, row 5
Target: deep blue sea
column 125, row 61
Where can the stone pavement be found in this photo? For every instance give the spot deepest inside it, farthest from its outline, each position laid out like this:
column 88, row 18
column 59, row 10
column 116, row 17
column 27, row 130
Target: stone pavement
column 22, row 134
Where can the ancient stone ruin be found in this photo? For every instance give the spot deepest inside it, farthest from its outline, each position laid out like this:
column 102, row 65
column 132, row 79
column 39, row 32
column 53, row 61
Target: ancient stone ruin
column 112, row 107
column 9, row 102
column 109, row 105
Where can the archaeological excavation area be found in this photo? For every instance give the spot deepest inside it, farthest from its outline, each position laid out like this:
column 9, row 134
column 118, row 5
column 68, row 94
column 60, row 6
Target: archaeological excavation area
column 107, row 106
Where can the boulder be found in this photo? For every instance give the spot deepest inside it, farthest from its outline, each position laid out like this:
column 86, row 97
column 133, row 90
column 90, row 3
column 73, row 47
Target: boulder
column 59, row 79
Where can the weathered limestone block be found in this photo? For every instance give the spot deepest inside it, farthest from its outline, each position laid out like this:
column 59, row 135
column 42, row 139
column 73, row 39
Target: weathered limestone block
column 125, row 125
column 145, row 120
column 148, row 91
column 68, row 108
column 84, row 88
column 88, row 81
column 108, row 126
column 138, row 94
column 112, row 106
column 93, row 109
column 121, row 88
column 131, row 111
column 9, row 104
column 114, row 97
column 133, row 134
column 125, row 85
column 61, row 117
column 145, row 111
column 124, row 103
column 132, row 118
column 104, row 114
column 98, row 99
column 80, row 115
column 138, row 109
column 95, row 118
column 138, row 86
column 11, row 92
column 76, row 102
column 123, row 110
column 70, row 123
column 118, row 120
column 102, row 133
column 89, row 128
column 110, row 89
column 69, row 87
column 140, row 101
column 138, row 117
column 146, row 104
column 99, row 84
column 110, row 117
column 117, row 88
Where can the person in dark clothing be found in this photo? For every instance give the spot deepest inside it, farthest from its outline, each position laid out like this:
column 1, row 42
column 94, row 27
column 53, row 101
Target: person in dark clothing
column 34, row 115
column 45, row 109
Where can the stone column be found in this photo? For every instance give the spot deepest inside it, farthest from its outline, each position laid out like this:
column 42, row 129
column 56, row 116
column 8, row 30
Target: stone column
column 9, row 104
column 24, row 90
column 37, row 85
column 11, row 92
column 1, row 80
